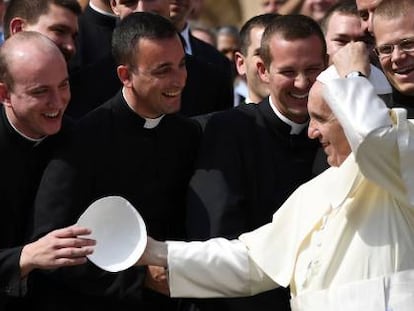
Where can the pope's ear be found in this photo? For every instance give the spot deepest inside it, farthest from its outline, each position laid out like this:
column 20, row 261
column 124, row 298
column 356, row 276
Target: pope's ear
column 262, row 71
column 124, row 75
column 4, row 94
column 16, row 25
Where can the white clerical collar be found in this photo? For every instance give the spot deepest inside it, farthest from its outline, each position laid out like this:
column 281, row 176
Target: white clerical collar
column 186, row 36
column 34, row 140
column 103, row 12
column 152, row 123
column 149, row 123
column 295, row 128
column 249, row 101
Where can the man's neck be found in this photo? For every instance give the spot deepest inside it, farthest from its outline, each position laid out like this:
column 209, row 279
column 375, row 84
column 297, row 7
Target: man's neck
column 180, row 26
column 296, row 128
column 101, row 5
column 10, row 120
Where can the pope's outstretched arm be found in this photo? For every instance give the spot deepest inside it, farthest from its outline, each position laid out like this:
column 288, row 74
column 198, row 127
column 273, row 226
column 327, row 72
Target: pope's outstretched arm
column 213, row 268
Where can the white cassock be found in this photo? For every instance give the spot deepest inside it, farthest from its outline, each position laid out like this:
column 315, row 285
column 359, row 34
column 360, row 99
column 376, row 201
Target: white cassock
column 342, row 241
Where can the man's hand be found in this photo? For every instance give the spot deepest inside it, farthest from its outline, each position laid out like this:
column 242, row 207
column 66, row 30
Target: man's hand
column 157, row 280
column 352, row 57
column 58, row 248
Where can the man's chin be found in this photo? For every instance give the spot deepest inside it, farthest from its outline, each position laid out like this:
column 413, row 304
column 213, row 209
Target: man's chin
column 405, row 89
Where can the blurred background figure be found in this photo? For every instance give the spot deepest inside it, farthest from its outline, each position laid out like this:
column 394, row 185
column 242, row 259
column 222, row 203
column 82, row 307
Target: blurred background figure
column 228, row 41
column 316, row 8
column 313, row 8
column 2, row 9
column 122, row 8
column 250, row 88
column 204, row 34
column 272, row 6
column 196, row 10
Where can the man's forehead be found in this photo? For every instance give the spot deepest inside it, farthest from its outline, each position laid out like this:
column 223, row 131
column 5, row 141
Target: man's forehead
column 339, row 18
column 279, row 43
column 318, row 108
column 367, row 4
column 59, row 13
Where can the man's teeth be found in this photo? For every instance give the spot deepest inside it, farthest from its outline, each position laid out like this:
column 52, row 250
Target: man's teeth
column 404, row 70
column 176, row 93
column 300, row 96
column 52, row 114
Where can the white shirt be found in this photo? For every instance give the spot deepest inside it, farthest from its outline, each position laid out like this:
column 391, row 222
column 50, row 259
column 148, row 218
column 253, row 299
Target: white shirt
column 185, row 34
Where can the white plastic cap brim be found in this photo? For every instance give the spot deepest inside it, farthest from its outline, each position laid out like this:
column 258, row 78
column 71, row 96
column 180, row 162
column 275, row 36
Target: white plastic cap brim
column 119, row 231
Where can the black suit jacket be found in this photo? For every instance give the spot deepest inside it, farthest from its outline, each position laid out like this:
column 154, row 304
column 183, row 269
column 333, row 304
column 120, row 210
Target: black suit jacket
column 210, row 80
column 403, row 101
column 92, row 71
column 94, row 38
column 207, row 89
column 248, row 165
column 92, row 85
column 209, row 53
column 110, row 153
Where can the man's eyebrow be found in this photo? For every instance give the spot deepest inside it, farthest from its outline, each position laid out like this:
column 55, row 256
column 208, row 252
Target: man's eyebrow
column 62, row 26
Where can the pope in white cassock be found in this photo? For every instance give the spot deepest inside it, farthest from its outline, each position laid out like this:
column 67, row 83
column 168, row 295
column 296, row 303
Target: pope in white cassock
column 342, row 241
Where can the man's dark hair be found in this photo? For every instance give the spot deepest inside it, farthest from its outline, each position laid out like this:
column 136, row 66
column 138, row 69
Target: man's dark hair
column 290, row 28
column 31, row 10
column 262, row 21
column 345, row 7
column 136, row 26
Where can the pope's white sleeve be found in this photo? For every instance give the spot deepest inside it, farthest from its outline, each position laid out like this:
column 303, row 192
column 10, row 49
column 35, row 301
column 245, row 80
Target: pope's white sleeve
column 381, row 139
column 214, row 268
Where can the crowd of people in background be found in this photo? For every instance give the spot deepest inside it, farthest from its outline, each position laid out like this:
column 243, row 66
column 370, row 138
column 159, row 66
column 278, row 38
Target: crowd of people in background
column 207, row 132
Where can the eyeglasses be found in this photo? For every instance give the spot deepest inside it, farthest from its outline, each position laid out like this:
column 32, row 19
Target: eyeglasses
column 385, row 50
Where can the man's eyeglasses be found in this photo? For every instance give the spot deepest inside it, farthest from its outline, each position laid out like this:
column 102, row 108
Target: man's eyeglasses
column 385, row 50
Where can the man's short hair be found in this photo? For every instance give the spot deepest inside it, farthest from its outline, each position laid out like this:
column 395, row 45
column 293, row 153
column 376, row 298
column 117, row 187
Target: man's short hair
column 5, row 76
column 391, row 9
column 262, row 21
column 31, row 10
column 290, row 28
column 136, row 26
column 345, row 7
